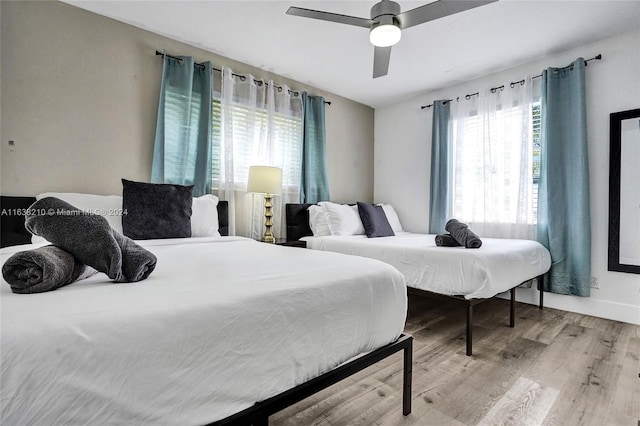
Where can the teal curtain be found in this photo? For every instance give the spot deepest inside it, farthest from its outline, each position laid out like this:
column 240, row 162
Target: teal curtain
column 439, row 201
column 182, row 150
column 315, row 185
column 564, row 221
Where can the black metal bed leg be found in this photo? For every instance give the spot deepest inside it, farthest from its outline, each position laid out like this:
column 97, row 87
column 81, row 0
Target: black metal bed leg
column 540, row 289
column 469, row 328
column 406, row 379
column 512, row 308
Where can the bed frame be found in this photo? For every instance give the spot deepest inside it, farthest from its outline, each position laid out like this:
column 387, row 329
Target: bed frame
column 258, row 414
column 13, row 233
column 297, row 219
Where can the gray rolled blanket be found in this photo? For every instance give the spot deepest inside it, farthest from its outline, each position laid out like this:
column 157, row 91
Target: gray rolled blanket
column 446, row 240
column 137, row 263
column 90, row 239
column 43, row 269
column 461, row 232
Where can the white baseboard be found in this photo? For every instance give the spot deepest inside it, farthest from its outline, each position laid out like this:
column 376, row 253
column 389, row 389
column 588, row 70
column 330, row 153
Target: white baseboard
column 586, row 306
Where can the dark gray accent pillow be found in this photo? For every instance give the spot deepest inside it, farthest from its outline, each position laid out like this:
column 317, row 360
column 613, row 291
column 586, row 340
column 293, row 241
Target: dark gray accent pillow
column 156, row 210
column 374, row 220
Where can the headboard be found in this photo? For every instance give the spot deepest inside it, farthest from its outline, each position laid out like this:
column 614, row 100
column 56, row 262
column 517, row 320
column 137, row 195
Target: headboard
column 13, row 232
column 297, row 217
column 223, row 218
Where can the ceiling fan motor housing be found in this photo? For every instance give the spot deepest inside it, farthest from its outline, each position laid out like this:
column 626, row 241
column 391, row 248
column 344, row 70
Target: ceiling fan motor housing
column 385, row 11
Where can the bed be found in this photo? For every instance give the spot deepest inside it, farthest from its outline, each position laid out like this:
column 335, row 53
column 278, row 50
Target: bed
column 203, row 340
column 469, row 275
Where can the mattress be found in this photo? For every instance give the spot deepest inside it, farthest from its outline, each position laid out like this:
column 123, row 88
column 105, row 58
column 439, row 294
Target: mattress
column 221, row 323
column 497, row 266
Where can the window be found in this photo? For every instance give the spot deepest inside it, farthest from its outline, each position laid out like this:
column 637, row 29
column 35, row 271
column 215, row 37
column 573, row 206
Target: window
column 536, row 128
column 496, row 163
column 216, row 135
column 250, row 128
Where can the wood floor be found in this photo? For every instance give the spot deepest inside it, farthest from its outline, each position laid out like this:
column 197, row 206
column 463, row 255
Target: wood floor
column 553, row 368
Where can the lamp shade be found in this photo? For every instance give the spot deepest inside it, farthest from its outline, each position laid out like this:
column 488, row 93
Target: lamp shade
column 265, row 180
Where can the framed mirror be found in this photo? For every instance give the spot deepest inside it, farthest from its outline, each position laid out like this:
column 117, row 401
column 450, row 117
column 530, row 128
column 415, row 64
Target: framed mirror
column 624, row 192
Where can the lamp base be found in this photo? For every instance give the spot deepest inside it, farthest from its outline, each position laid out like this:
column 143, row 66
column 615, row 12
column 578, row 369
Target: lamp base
column 268, row 236
column 268, row 239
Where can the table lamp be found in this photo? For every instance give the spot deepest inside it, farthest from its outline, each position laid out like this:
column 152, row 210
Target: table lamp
column 268, row 181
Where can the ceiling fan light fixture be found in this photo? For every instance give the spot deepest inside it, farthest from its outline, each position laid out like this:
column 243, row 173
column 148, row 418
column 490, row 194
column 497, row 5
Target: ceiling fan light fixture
column 385, row 35
column 387, row 22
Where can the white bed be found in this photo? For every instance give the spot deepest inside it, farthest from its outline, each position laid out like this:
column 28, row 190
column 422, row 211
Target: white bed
column 496, row 267
column 222, row 322
column 471, row 275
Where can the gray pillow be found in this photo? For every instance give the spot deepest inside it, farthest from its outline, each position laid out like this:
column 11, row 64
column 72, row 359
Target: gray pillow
column 374, row 220
column 156, row 210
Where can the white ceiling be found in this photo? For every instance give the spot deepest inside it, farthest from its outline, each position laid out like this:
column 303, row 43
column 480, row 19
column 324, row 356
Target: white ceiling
column 338, row 58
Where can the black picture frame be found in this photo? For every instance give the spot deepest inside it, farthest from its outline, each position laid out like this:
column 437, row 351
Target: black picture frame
column 615, row 173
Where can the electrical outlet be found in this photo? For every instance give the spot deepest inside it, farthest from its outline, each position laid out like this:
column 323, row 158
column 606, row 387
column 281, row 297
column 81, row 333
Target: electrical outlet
column 594, row 282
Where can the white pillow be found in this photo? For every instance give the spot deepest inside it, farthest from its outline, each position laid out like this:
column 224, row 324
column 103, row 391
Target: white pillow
column 392, row 217
column 107, row 206
column 204, row 216
column 343, row 218
column 318, row 222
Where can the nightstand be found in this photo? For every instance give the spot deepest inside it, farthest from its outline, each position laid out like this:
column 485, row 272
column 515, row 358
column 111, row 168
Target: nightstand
column 284, row 242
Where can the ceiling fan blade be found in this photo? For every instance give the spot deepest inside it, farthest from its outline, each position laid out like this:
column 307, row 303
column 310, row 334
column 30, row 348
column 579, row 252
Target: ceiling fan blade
column 381, row 56
column 331, row 17
column 437, row 9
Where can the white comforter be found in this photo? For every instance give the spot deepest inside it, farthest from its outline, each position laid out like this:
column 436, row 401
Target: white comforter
column 220, row 324
column 497, row 266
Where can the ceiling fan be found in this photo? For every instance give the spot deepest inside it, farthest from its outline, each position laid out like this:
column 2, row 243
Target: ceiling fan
column 387, row 22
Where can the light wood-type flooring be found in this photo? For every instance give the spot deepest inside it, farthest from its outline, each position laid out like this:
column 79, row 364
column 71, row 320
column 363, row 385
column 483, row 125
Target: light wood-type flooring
column 553, row 368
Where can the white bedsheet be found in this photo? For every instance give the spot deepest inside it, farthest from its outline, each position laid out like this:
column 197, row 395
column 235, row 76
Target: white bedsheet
column 220, row 324
column 497, row 266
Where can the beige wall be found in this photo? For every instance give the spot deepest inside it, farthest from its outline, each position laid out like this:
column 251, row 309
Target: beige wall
column 79, row 96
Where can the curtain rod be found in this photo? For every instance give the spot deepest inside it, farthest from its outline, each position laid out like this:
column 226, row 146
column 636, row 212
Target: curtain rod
column 241, row 77
column 513, row 83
